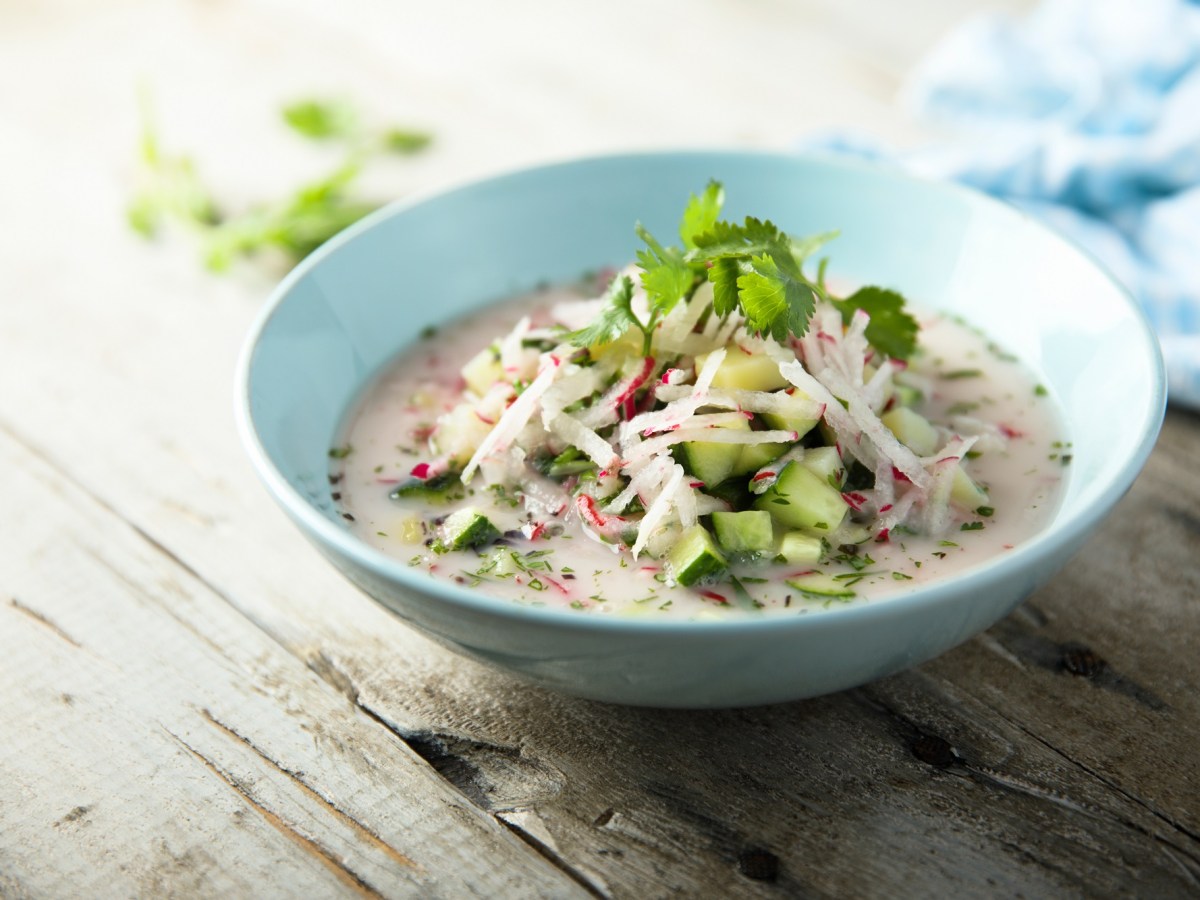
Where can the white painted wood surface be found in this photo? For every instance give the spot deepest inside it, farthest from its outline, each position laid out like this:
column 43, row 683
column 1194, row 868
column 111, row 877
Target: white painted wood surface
column 193, row 703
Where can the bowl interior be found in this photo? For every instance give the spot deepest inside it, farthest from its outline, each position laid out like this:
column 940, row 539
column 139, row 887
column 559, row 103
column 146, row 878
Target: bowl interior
column 349, row 308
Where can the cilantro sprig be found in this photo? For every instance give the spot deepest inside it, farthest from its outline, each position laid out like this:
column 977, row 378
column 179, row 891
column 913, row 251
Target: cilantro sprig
column 756, row 269
column 171, row 191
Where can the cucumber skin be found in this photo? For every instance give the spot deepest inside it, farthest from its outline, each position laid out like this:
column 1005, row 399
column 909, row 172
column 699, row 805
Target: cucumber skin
column 468, row 528
column 748, row 532
column 801, row 499
column 818, row 584
column 695, row 558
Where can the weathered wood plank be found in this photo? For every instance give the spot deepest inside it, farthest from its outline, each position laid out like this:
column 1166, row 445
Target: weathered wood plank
column 1016, row 764
column 156, row 743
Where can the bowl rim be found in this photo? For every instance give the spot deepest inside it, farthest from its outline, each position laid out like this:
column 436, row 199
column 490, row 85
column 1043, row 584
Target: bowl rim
column 1058, row 534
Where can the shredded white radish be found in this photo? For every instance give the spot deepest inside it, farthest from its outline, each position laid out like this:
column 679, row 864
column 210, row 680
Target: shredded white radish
column 678, row 325
column 879, row 434
column 675, row 414
column 878, row 390
column 641, row 452
column 573, row 384
column 643, row 482
column 751, row 401
column 657, row 513
column 575, row 434
column 769, row 474
column 514, row 418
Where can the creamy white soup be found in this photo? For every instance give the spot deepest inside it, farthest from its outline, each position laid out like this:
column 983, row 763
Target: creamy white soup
column 931, row 466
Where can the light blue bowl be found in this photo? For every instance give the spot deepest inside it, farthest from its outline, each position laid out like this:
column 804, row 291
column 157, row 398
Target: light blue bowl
column 353, row 304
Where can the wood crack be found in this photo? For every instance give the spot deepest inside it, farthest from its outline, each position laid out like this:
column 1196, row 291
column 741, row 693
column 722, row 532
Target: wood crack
column 344, row 874
column 1042, row 792
column 551, row 856
column 43, row 621
column 1193, row 856
column 345, row 818
column 456, row 769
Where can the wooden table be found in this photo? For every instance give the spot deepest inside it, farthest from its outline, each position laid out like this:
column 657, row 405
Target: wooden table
column 193, row 703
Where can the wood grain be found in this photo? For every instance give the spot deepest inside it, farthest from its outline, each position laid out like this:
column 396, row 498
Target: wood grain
column 148, row 711
column 195, row 704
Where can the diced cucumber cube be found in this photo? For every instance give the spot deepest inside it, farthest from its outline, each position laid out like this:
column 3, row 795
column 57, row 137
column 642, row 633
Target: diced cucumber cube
column 818, row 584
column 800, row 549
column 504, row 563
column 713, row 462
column 459, row 433
column 799, row 498
column 965, row 493
column 742, row 371
column 732, row 490
column 826, row 464
column 748, row 532
column 754, row 456
column 797, row 420
column 439, row 489
column 695, row 558
column 483, row 370
column 468, row 528
column 907, row 395
column 853, row 533
column 912, row 430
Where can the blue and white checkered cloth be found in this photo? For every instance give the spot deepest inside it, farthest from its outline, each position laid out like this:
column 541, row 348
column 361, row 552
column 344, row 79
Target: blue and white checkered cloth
column 1087, row 113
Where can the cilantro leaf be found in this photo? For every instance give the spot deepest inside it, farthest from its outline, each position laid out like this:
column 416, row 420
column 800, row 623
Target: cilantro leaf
column 891, row 330
column 724, row 274
column 701, row 213
column 665, row 275
column 404, row 142
column 321, row 120
column 726, row 239
column 804, row 247
column 774, row 301
column 614, row 319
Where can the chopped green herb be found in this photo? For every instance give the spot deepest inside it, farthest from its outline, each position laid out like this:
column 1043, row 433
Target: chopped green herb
column 959, row 374
column 971, row 526
column 962, row 408
column 340, row 452
column 985, row 511
column 900, row 576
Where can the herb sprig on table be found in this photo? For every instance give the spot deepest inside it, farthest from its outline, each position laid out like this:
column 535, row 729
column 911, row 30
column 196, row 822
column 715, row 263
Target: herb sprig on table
column 755, row 269
column 296, row 224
